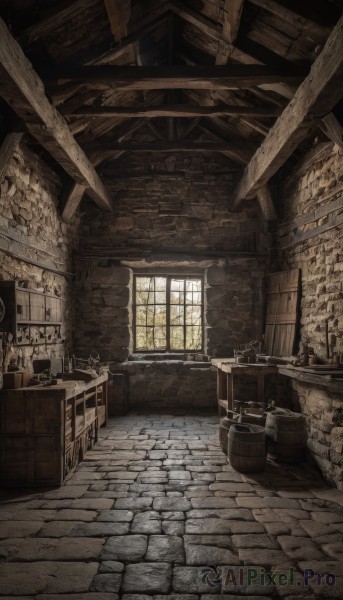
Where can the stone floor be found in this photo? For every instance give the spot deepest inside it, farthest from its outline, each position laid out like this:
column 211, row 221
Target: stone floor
column 155, row 511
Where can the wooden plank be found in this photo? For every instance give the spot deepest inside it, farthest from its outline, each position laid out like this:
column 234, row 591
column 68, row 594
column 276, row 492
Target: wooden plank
column 72, row 201
column 119, row 12
column 266, row 203
column 172, row 146
column 173, row 110
column 318, row 93
column 282, row 312
column 299, row 237
column 231, row 22
column 320, row 212
column 180, row 77
column 295, row 19
column 24, row 91
column 8, row 148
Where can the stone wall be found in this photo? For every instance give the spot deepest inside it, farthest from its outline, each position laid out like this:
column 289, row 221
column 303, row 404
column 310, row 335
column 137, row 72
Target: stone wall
column 312, row 208
column 310, row 238
column 170, row 212
column 35, row 245
column 166, row 384
column 323, row 410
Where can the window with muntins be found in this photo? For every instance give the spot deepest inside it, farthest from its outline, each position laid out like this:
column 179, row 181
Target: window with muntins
column 168, row 313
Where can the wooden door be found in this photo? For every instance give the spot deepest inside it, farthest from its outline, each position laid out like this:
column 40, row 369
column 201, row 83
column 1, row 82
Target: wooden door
column 282, row 312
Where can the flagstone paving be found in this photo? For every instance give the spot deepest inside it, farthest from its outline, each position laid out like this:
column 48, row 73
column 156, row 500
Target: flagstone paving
column 155, row 511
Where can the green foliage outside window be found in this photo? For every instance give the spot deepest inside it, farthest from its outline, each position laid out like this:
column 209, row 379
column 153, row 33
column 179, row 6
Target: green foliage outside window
column 168, row 313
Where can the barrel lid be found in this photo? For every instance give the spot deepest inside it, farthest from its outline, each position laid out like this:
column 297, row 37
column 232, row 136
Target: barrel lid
column 247, row 428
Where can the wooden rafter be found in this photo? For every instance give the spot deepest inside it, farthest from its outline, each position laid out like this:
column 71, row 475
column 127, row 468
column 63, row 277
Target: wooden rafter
column 119, row 12
column 231, row 22
column 24, row 91
column 72, row 201
column 73, row 195
column 332, row 129
column 174, row 110
column 169, row 146
column 7, row 149
column 294, row 19
column 182, row 77
column 318, row 93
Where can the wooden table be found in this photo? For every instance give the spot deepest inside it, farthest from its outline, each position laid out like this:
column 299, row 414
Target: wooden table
column 227, row 368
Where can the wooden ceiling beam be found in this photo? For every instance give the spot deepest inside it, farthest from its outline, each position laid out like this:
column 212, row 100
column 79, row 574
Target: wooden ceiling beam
column 291, row 17
column 168, row 146
column 181, row 77
column 118, row 12
column 174, row 110
column 231, row 22
column 7, row 149
column 74, row 194
column 332, row 129
column 318, row 93
column 24, row 91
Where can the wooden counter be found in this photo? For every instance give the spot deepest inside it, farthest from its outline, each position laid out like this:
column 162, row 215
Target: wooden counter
column 306, row 375
column 227, row 368
column 46, row 430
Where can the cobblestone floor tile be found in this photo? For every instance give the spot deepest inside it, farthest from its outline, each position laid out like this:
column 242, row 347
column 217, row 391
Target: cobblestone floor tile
column 146, row 522
column 120, row 516
column 48, row 577
column 201, row 526
column 27, row 515
column 171, row 504
column 125, row 548
column 111, row 566
column 106, row 582
column 226, row 486
column 57, row 529
column 165, row 548
column 188, row 580
column 36, row 549
column 212, row 502
column 66, row 491
column 173, row 527
column 259, row 556
column 90, row 504
column 255, row 541
column 74, row 515
column 153, row 578
column 298, row 548
column 133, row 503
column 99, row 529
column 16, row 529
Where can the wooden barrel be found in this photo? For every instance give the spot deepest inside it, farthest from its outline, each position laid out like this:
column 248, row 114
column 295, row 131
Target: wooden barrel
column 225, row 424
column 247, row 448
column 286, row 435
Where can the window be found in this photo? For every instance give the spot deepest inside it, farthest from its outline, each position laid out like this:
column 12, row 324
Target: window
column 168, row 313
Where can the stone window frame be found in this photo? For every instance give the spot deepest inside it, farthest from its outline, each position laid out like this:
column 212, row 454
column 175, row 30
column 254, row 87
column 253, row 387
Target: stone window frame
column 169, row 273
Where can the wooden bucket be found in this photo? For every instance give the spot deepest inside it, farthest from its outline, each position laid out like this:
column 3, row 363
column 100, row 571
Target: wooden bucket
column 247, row 447
column 286, row 435
column 224, row 427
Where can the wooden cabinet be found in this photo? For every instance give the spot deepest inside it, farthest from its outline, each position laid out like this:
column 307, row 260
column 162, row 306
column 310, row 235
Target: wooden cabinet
column 46, row 431
column 32, row 317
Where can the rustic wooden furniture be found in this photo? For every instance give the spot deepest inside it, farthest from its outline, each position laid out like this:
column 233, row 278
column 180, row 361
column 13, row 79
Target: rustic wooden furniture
column 32, row 317
column 46, row 430
column 227, row 368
